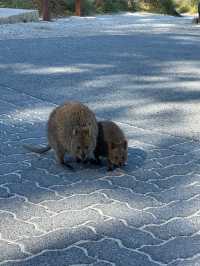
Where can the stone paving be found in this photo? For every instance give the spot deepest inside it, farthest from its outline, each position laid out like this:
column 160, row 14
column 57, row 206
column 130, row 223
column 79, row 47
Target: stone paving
column 145, row 214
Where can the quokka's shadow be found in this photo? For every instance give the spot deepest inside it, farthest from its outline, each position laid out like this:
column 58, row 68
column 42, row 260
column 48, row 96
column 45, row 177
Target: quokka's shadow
column 136, row 159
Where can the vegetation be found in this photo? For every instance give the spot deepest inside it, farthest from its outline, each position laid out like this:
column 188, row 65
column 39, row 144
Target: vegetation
column 67, row 7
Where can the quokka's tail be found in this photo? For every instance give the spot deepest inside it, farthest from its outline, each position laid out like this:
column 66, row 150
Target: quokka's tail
column 39, row 150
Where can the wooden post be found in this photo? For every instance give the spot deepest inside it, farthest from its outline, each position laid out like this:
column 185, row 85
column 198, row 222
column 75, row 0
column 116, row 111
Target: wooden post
column 78, row 8
column 45, row 10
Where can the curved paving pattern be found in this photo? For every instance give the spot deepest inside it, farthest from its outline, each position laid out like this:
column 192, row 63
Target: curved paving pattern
column 146, row 214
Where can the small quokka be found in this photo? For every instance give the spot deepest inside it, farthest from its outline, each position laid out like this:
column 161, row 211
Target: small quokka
column 72, row 128
column 112, row 144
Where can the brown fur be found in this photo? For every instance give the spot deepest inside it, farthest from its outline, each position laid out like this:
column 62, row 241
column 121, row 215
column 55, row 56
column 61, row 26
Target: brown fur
column 72, row 129
column 112, row 144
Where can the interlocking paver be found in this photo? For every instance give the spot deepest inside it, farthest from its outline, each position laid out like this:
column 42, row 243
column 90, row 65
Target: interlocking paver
column 135, row 200
column 176, row 181
column 69, row 219
column 10, row 251
column 133, row 217
column 82, row 187
column 58, row 239
column 22, row 209
column 13, row 229
column 185, row 247
column 110, row 250
column 34, row 193
column 70, row 256
column 76, row 202
column 131, row 237
column 182, row 208
column 176, row 227
column 177, row 193
column 128, row 181
column 4, row 193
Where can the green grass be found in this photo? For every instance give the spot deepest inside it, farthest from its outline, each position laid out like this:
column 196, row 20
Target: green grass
column 66, row 7
column 16, row 3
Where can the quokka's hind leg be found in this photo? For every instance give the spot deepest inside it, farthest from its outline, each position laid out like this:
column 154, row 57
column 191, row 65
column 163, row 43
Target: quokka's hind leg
column 60, row 153
column 110, row 166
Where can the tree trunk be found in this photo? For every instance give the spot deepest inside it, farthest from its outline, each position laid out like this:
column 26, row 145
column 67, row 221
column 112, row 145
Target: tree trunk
column 45, row 8
column 78, row 8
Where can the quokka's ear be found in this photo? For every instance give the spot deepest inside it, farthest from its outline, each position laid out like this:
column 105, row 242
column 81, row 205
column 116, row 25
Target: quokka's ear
column 125, row 144
column 75, row 132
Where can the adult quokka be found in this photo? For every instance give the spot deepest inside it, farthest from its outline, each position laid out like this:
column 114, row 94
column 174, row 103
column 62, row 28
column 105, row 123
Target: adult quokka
column 72, row 129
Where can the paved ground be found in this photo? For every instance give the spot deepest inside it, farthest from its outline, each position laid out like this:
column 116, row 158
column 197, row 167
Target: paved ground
column 139, row 70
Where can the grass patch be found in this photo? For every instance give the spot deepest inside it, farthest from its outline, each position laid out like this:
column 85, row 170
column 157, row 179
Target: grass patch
column 67, row 7
column 16, row 4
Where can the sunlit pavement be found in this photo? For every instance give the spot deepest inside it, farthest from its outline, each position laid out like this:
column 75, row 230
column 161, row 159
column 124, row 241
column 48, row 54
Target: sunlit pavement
column 139, row 70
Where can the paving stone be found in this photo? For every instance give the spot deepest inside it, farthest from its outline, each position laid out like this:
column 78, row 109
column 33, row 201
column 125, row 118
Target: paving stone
column 15, row 158
column 133, row 217
column 42, row 177
column 136, row 185
column 178, row 248
column 22, row 209
column 58, row 239
column 4, row 193
column 51, row 166
column 83, row 187
column 135, row 200
column 187, row 262
column 145, row 175
column 67, row 219
column 176, row 227
column 9, row 168
column 70, row 256
column 177, row 180
column 110, row 250
column 33, row 193
column 12, row 147
column 131, row 237
column 177, row 193
column 181, row 208
column 76, row 202
column 13, row 229
column 185, row 147
column 10, row 178
column 163, row 153
column 176, row 159
column 151, row 164
column 10, row 251
column 182, row 169
column 101, row 264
